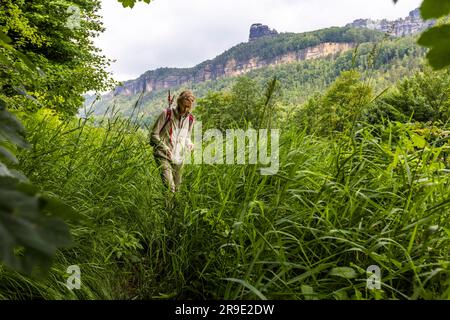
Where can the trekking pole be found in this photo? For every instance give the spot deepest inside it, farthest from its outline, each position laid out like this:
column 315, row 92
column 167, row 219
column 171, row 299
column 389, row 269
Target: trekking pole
column 170, row 99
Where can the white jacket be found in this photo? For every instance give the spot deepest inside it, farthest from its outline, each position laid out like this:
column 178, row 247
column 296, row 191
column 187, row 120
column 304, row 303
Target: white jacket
column 170, row 137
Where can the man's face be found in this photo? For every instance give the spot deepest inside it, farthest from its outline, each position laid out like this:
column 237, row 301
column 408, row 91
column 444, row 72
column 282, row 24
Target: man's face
column 185, row 107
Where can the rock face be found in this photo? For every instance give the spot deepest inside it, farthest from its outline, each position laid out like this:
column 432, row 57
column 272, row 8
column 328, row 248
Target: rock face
column 212, row 70
column 402, row 27
column 258, row 30
column 153, row 80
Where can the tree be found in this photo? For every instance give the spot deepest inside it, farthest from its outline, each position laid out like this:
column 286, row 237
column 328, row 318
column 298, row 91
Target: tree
column 340, row 107
column 247, row 104
column 30, row 226
column 425, row 97
column 213, row 110
column 44, row 62
column 64, row 53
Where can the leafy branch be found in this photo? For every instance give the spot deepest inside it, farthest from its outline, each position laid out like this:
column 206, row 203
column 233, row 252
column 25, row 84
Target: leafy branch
column 131, row 3
column 437, row 38
column 30, row 231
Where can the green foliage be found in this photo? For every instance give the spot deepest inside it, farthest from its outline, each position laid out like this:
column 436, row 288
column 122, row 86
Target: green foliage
column 339, row 203
column 394, row 59
column 50, row 65
column 66, row 55
column 424, row 97
column 125, row 246
column 246, row 102
column 434, row 8
column 104, row 173
column 214, row 110
column 30, row 230
column 340, row 107
column 131, row 3
column 436, row 38
column 344, row 272
column 246, row 105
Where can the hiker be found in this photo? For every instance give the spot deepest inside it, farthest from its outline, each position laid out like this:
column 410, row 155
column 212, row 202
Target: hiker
column 170, row 137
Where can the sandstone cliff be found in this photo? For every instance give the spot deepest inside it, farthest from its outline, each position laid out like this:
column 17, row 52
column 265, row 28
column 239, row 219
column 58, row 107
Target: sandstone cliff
column 282, row 49
column 169, row 78
column 258, row 30
column 412, row 24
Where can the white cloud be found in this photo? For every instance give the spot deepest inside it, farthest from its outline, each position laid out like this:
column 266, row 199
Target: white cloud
column 183, row 33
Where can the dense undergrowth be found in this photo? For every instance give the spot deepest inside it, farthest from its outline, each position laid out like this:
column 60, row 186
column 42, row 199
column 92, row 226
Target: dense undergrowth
column 363, row 179
column 377, row 196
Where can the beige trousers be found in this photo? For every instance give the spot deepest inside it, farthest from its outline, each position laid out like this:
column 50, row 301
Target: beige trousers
column 170, row 173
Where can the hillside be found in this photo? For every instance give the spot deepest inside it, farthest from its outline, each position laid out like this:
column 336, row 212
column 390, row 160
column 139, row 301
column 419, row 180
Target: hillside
column 385, row 61
column 245, row 57
column 326, row 178
column 268, row 48
column 409, row 25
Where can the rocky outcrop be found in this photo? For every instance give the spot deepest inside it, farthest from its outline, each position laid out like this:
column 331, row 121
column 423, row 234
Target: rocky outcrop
column 212, row 70
column 412, row 24
column 166, row 78
column 258, row 30
column 152, row 81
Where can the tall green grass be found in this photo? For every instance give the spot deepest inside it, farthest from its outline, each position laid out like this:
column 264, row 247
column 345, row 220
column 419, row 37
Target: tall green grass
column 378, row 197
column 333, row 204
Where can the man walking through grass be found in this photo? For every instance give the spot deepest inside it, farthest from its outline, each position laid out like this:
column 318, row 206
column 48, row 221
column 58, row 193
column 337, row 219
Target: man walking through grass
column 170, row 138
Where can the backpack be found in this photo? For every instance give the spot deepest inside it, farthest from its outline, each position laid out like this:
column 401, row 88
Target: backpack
column 169, row 116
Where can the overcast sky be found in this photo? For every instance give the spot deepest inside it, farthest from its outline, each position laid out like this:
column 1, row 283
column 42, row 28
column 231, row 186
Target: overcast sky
column 183, row 33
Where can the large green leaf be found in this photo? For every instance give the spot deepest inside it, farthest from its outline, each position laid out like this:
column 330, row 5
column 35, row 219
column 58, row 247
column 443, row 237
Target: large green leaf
column 438, row 40
column 11, row 129
column 14, row 201
column 7, row 156
column 57, row 208
column 434, row 8
column 343, row 272
column 418, row 141
column 29, row 238
column 439, row 35
column 439, row 58
column 4, row 38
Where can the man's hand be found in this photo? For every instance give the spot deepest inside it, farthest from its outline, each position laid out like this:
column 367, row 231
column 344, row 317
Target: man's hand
column 168, row 152
column 190, row 146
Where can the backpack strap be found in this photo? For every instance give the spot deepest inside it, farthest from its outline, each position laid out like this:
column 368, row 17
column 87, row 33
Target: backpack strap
column 191, row 121
column 168, row 116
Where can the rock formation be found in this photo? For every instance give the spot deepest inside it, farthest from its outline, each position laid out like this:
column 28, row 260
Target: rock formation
column 412, row 24
column 258, row 30
column 158, row 79
column 166, row 78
